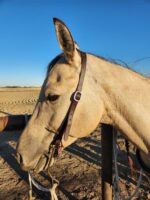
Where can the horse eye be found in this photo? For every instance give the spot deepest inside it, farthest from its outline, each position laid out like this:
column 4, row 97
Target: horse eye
column 51, row 97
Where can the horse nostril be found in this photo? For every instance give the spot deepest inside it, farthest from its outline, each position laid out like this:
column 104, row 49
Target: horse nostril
column 19, row 158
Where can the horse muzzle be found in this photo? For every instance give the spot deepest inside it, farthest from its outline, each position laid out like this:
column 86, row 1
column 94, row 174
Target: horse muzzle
column 23, row 166
column 43, row 161
column 37, row 165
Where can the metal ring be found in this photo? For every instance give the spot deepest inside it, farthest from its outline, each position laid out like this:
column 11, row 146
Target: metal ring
column 77, row 96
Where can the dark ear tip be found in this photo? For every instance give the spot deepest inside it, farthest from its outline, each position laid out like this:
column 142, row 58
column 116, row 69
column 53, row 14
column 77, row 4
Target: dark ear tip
column 56, row 20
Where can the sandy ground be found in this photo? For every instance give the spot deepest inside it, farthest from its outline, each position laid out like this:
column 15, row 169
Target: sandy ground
column 78, row 170
column 17, row 100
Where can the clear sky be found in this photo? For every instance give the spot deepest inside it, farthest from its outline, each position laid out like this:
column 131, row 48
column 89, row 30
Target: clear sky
column 118, row 29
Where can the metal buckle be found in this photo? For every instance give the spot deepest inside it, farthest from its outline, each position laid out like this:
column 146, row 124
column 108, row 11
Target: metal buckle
column 77, row 96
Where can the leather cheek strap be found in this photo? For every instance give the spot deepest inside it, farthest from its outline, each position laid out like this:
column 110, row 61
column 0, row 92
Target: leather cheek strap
column 65, row 127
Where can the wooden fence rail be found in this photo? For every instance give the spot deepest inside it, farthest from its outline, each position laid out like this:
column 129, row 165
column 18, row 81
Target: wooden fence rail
column 13, row 122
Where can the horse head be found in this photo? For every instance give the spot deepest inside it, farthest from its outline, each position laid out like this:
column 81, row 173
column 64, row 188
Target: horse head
column 53, row 103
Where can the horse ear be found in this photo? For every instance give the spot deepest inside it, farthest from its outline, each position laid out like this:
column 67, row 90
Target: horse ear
column 65, row 39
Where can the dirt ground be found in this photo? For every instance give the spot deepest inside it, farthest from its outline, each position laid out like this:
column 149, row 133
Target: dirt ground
column 78, row 170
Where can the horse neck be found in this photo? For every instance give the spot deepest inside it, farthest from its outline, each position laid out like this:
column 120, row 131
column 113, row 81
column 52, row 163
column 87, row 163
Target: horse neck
column 126, row 99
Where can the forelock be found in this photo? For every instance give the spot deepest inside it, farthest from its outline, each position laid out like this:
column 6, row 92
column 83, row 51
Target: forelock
column 58, row 59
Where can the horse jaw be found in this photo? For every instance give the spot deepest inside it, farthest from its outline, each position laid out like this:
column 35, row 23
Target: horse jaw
column 144, row 160
column 69, row 141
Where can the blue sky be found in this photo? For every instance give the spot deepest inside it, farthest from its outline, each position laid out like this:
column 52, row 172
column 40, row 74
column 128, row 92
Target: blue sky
column 118, row 29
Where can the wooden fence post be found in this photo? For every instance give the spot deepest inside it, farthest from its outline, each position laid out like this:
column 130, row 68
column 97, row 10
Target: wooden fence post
column 107, row 159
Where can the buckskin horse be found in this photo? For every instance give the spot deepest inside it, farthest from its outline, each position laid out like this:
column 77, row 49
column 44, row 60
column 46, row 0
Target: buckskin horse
column 80, row 91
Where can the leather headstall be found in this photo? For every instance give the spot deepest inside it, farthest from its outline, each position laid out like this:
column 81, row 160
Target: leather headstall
column 64, row 129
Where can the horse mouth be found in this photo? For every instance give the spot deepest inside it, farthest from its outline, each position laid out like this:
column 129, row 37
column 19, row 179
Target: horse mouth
column 43, row 164
column 40, row 166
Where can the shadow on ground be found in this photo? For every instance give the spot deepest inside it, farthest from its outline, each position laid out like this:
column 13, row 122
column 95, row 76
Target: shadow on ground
column 78, row 170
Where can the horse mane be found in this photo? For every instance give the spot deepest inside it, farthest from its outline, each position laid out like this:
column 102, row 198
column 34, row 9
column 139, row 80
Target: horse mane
column 60, row 58
column 120, row 63
column 113, row 61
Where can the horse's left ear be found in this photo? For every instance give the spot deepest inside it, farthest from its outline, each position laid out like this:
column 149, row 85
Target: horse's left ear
column 65, row 40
